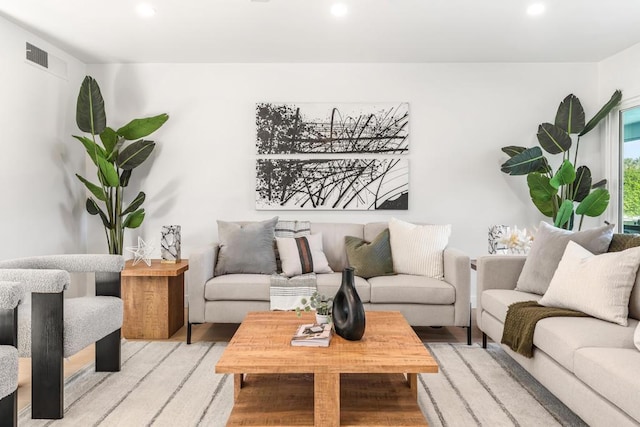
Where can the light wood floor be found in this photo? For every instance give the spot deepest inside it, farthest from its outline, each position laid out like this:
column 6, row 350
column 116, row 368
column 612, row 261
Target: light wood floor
column 218, row 332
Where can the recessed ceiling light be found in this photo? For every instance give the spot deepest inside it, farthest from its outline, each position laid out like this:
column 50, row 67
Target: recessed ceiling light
column 339, row 10
column 535, row 9
column 146, row 10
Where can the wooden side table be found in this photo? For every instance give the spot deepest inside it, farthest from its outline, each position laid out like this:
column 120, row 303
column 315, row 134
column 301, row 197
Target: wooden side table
column 153, row 299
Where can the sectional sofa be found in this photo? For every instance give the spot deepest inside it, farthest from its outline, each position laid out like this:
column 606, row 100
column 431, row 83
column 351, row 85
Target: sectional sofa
column 422, row 300
column 591, row 365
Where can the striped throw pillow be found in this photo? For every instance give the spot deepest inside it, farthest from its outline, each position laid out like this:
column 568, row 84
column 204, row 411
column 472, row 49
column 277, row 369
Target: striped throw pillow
column 302, row 255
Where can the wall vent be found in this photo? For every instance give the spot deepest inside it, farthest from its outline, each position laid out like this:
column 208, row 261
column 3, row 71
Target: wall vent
column 45, row 61
column 37, row 55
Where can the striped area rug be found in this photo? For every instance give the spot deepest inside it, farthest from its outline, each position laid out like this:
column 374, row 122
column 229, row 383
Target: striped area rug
column 173, row 384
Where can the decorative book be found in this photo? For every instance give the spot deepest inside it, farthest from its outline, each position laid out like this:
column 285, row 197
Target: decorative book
column 312, row 335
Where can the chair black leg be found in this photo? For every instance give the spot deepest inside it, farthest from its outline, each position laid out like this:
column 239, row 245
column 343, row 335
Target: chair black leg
column 188, row 332
column 469, row 335
column 9, row 410
column 484, row 340
column 47, row 375
column 108, row 353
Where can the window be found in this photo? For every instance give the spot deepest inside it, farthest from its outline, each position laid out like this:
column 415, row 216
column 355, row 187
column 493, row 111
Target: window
column 630, row 168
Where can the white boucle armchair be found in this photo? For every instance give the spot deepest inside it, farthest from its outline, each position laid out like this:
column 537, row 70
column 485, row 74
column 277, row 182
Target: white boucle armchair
column 51, row 327
column 10, row 296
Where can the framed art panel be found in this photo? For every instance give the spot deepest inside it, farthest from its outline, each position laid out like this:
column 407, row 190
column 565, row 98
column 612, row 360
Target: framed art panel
column 332, row 128
column 334, row 184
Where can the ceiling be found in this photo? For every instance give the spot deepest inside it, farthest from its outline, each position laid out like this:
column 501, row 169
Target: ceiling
column 99, row 31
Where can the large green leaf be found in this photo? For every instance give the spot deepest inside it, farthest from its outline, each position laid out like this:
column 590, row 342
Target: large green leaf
column 564, row 213
column 582, row 184
column 542, row 193
column 570, row 115
column 133, row 220
column 566, row 174
column 109, row 140
column 108, row 172
column 90, row 115
column 530, row 160
column 139, row 128
column 124, row 177
column 513, row 150
column 94, row 209
column 135, row 204
column 604, row 111
column 553, row 138
column 136, row 153
column 95, row 189
column 92, row 148
column 595, row 203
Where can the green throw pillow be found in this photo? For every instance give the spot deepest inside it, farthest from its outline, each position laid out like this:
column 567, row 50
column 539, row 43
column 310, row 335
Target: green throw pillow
column 370, row 259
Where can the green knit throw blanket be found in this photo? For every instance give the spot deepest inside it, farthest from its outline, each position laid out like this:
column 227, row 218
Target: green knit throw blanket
column 521, row 321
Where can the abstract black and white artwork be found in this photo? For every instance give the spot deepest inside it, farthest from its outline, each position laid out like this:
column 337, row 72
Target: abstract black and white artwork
column 341, row 184
column 306, row 128
column 332, row 156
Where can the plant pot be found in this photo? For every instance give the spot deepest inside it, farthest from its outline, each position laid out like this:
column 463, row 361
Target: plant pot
column 322, row 319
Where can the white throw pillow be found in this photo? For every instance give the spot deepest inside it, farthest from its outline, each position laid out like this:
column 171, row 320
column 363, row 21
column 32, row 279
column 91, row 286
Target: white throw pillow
column 418, row 249
column 598, row 285
column 636, row 337
column 301, row 255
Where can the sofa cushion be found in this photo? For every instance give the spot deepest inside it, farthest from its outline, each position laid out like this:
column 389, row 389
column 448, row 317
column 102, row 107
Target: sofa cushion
column 246, row 247
column 560, row 337
column 613, row 373
column 418, row 249
column 547, row 249
column 238, row 287
column 8, row 370
column 370, row 259
column 407, row 288
column 328, row 284
column 302, row 255
column 598, row 285
column 497, row 301
column 333, row 235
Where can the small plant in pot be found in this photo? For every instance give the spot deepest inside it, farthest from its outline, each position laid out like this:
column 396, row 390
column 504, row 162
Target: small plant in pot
column 320, row 303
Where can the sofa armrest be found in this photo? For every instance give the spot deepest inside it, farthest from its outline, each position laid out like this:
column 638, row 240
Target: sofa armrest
column 202, row 265
column 38, row 281
column 73, row 263
column 457, row 272
column 11, row 294
column 497, row 272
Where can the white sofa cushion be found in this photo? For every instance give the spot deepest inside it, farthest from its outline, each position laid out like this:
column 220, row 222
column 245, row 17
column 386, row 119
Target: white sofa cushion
column 406, row 288
column 238, row 287
column 613, row 373
column 497, row 301
column 599, row 286
column 560, row 337
column 8, row 370
column 418, row 249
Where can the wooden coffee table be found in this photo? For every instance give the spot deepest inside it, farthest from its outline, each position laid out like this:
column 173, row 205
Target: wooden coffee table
column 373, row 381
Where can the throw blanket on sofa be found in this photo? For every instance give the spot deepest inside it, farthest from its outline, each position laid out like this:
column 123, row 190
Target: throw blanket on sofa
column 287, row 293
column 521, row 321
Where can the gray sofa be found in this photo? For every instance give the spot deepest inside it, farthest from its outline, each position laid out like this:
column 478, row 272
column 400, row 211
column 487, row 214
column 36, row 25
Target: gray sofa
column 591, row 365
column 423, row 301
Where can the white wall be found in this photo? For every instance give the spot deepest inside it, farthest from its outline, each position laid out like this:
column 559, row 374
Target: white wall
column 461, row 114
column 41, row 211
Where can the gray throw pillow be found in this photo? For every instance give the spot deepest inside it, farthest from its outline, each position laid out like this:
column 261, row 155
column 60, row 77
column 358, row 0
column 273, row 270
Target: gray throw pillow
column 370, row 259
column 246, row 248
column 548, row 246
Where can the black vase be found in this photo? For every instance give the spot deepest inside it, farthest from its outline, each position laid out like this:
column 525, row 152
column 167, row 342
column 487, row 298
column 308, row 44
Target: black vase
column 348, row 311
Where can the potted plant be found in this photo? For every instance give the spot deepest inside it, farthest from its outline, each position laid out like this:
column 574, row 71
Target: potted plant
column 115, row 160
column 320, row 303
column 556, row 194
